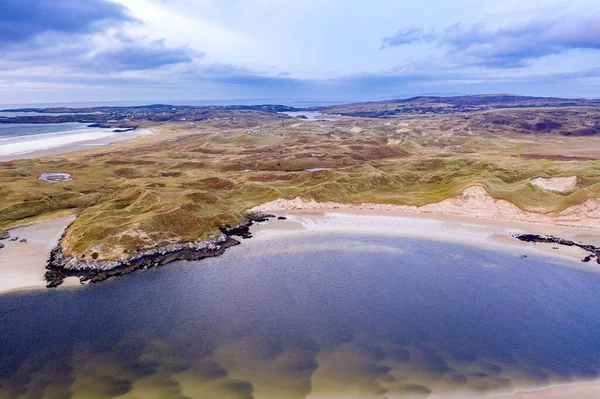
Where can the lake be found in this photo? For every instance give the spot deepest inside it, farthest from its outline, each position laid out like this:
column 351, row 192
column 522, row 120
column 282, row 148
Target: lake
column 317, row 316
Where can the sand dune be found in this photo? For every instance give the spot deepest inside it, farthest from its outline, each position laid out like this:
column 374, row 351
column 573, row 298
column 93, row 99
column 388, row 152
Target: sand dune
column 474, row 201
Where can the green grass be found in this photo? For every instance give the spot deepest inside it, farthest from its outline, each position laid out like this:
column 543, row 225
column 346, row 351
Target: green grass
column 185, row 183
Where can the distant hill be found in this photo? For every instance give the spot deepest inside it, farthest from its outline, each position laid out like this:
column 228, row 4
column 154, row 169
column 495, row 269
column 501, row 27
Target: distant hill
column 449, row 105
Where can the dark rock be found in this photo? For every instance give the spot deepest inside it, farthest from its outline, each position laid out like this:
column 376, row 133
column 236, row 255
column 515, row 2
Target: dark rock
column 4, row 235
column 281, row 218
column 60, row 266
column 14, row 238
column 595, row 252
column 243, row 229
column 1, row 246
column 23, row 240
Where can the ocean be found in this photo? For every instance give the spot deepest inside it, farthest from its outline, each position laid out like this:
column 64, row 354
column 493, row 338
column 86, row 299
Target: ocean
column 310, row 316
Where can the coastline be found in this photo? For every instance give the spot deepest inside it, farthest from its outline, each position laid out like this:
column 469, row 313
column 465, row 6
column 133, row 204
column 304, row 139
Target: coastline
column 484, row 232
column 58, row 144
column 474, row 202
column 489, row 233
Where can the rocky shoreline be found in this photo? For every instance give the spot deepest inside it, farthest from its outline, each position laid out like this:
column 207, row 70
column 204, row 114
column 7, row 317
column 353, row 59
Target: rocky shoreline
column 60, row 266
column 594, row 252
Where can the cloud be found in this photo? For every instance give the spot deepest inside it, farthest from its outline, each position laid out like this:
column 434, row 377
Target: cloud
column 406, row 36
column 82, row 37
column 23, row 20
column 514, row 42
column 137, row 54
column 518, row 41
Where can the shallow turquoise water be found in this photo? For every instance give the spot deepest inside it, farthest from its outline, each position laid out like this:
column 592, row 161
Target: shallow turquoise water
column 311, row 316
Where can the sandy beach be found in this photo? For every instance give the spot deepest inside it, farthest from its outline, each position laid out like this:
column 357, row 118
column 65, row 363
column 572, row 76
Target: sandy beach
column 474, row 202
column 22, row 265
column 474, row 217
column 489, row 233
column 56, row 144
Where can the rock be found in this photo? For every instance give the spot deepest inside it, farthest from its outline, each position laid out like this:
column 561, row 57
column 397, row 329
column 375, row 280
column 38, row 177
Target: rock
column 243, row 229
column 4, row 235
column 281, row 218
column 92, row 270
column 23, row 240
column 1, row 246
column 594, row 252
column 14, row 238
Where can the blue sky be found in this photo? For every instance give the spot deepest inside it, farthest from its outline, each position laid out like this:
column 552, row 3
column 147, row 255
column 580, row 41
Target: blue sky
column 178, row 50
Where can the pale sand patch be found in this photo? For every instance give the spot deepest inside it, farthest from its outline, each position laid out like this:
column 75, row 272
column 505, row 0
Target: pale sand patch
column 561, row 185
column 474, row 201
column 22, row 265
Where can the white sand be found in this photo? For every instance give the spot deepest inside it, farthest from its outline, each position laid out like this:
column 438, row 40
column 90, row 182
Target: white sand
column 479, row 232
column 561, row 185
column 474, row 202
column 51, row 140
column 22, row 265
column 61, row 143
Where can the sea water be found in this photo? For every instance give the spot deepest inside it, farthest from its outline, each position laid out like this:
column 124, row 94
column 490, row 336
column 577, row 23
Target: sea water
column 23, row 138
column 310, row 316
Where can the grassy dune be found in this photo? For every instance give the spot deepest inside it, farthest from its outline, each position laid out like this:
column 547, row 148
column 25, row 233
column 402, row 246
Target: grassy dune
column 189, row 179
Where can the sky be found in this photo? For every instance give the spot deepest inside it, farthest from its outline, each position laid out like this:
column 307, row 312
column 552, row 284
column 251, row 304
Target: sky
column 54, row 51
